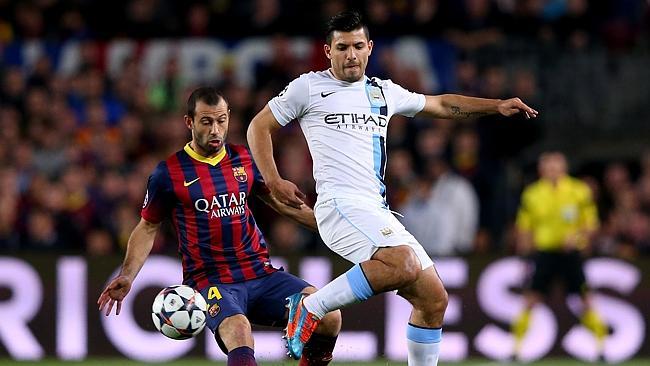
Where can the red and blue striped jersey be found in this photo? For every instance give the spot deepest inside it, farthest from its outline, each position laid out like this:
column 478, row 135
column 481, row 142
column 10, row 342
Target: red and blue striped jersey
column 218, row 239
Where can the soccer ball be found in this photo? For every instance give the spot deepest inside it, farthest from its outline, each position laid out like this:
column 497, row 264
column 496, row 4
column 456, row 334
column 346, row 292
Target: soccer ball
column 179, row 312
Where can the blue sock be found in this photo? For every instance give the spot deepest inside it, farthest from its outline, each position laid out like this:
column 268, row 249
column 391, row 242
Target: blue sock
column 423, row 345
column 359, row 283
column 346, row 289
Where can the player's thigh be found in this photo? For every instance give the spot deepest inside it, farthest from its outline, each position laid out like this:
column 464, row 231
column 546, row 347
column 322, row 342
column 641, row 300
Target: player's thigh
column 224, row 301
column 427, row 293
column 267, row 303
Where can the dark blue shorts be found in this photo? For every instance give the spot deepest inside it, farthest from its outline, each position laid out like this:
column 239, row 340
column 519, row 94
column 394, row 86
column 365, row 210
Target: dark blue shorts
column 261, row 300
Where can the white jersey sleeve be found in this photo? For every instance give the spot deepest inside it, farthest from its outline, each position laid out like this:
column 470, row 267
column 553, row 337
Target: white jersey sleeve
column 407, row 103
column 292, row 102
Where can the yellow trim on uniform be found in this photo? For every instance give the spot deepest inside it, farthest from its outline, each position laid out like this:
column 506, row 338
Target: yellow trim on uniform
column 212, row 161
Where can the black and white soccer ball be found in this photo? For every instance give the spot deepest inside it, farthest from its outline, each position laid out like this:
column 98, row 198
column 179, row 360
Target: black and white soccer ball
column 179, row 312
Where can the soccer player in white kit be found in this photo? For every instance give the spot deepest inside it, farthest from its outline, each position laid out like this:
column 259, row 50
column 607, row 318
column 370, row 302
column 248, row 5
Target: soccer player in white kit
column 344, row 116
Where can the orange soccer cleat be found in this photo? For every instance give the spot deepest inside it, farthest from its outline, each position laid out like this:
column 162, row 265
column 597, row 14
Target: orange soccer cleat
column 300, row 326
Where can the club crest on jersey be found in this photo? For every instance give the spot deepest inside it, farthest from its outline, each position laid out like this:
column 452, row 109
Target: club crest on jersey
column 386, row 231
column 240, row 174
column 375, row 96
column 214, row 310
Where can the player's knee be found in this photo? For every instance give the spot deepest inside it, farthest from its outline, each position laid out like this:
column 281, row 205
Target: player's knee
column 409, row 275
column 330, row 325
column 235, row 331
column 409, row 266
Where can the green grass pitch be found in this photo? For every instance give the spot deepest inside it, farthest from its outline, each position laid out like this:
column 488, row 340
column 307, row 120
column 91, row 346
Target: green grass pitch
column 201, row 362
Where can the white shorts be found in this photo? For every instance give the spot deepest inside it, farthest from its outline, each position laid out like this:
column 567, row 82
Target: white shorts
column 356, row 229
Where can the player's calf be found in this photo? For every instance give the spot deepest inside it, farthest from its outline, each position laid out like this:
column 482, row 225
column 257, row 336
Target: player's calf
column 319, row 349
column 428, row 297
column 235, row 331
column 330, row 325
column 236, row 335
column 424, row 331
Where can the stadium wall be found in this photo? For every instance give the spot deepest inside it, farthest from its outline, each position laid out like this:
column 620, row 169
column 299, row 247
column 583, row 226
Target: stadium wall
column 48, row 309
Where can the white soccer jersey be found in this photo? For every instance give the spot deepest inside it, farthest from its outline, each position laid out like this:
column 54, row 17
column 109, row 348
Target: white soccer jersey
column 345, row 127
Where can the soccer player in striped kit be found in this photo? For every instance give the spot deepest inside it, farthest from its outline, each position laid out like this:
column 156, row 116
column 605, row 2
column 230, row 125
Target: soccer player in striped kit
column 204, row 188
column 344, row 116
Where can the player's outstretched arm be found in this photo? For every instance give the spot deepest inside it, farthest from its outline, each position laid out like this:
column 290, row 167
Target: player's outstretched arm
column 303, row 215
column 259, row 140
column 137, row 251
column 455, row 106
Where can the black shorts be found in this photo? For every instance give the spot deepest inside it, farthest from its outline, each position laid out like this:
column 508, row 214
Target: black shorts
column 567, row 267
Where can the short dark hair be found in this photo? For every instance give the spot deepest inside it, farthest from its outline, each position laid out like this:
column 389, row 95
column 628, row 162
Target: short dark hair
column 207, row 95
column 346, row 21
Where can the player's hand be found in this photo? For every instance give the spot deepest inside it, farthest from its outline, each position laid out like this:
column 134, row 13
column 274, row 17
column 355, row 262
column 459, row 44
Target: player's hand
column 287, row 193
column 114, row 293
column 513, row 106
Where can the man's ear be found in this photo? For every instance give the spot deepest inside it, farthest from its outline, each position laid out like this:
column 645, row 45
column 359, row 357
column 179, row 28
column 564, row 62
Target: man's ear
column 328, row 51
column 188, row 121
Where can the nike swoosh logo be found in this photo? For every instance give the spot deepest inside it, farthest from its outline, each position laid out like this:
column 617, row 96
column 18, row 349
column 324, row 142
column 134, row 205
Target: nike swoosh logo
column 323, row 94
column 185, row 184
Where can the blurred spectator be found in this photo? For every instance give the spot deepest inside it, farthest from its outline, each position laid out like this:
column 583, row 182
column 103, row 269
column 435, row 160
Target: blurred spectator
column 526, row 21
column 616, row 182
column 198, row 20
column 575, row 29
column 400, row 177
column 9, row 205
column 99, row 243
column 467, row 78
column 277, row 71
column 428, row 17
column 378, row 17
column 73, row 24
column 149, row 18
column 286, row 237
column 442, row 212
column 164, row 94
column 13, row 88
column 29, row 20
column 42, row 232
column 476, row 26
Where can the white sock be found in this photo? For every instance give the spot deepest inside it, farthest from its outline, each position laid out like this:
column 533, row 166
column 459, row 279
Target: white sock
column 423, row 345
column 346, row 289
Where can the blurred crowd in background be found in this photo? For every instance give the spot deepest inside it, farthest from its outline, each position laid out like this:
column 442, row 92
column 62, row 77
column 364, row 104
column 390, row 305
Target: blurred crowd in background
column 76, row 147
